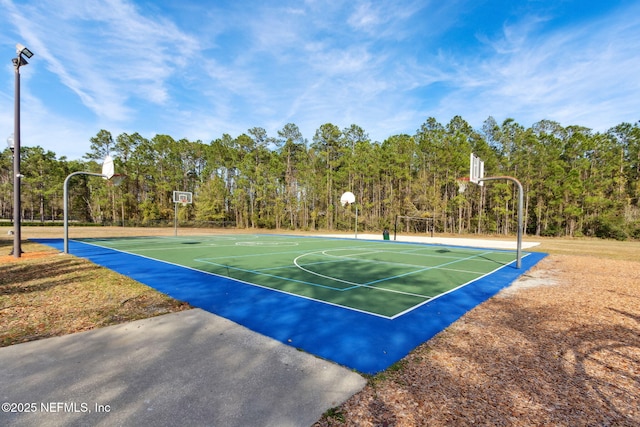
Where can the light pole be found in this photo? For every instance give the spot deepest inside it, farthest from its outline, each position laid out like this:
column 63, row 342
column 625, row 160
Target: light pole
column 18, row 62
column 11, row 142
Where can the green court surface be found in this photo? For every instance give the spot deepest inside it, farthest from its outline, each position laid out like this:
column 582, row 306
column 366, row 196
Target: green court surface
column 386, row 279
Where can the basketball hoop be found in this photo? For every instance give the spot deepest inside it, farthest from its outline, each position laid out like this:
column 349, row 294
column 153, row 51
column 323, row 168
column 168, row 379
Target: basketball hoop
column 347, row 198
column 462, row 184
column 182, row 197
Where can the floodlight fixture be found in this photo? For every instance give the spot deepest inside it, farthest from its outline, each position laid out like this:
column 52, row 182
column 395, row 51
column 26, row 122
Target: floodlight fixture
column 23, row 50
column 19, row 62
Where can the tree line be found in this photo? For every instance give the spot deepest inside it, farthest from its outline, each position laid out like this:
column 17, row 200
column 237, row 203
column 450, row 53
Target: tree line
column 576, row 182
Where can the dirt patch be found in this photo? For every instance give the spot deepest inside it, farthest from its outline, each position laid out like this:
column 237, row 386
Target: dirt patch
column 543, row 274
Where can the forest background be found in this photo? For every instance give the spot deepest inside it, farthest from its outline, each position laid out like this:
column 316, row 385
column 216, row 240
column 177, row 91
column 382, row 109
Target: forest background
column 576, row 182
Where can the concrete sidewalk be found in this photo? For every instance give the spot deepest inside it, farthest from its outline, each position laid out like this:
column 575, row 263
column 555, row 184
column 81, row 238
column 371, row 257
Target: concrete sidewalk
column 188, row 368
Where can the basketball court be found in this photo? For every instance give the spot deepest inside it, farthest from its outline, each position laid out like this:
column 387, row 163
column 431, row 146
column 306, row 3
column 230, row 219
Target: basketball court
column 361, row 303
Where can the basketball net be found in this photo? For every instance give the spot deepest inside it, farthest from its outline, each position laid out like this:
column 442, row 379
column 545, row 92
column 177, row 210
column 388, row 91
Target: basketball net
column 462, row 184
column 115, row 180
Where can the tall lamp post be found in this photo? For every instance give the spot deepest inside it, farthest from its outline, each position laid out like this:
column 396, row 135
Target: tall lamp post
column 18, row 62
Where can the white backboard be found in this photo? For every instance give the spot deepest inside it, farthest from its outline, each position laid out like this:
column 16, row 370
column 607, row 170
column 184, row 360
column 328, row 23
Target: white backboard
column 476, row 169
column 107, row 167
column 347, row 198
column 183, row 197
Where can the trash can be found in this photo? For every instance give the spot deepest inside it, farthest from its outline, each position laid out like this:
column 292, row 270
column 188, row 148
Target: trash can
column 385, row 234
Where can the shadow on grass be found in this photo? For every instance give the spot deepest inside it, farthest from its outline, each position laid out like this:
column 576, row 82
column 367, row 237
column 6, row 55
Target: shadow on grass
column 22, row 278
column 6, row 246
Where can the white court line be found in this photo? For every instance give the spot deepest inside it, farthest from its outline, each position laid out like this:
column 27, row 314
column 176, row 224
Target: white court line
column 356, row 285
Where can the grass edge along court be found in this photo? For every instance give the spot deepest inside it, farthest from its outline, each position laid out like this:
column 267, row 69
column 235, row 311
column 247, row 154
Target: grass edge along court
column 359, row 339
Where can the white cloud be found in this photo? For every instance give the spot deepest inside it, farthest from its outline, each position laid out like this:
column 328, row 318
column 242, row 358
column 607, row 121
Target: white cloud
column 106, row 52
column 578, row 75
column 364, row 17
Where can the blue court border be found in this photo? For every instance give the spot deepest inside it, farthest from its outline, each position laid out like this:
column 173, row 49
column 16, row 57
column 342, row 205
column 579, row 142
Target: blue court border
column 360, row 341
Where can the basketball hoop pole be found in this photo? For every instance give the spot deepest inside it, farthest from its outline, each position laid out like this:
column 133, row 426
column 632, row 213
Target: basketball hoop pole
column 65, row 196
column 356, row 220
column 520, row 203
column 348, row 198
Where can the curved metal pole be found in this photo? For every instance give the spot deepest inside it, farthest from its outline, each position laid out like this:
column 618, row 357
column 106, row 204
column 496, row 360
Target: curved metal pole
column 356, row 221
column 175, row 219
column 65, row 196
column 520, row 203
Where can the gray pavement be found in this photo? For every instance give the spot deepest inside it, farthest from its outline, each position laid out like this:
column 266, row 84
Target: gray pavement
column 188, row 368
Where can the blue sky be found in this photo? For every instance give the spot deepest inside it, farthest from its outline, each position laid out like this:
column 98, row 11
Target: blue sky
column 198, row 69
